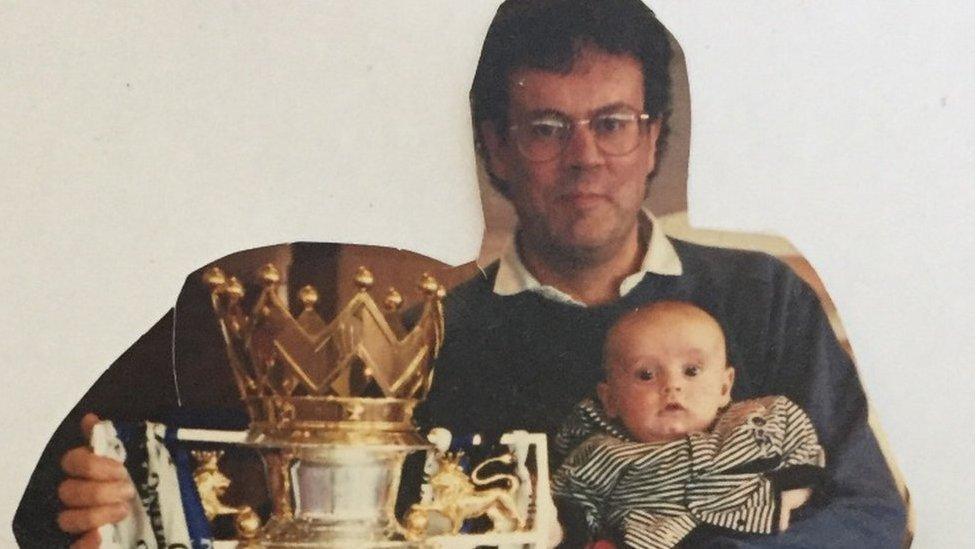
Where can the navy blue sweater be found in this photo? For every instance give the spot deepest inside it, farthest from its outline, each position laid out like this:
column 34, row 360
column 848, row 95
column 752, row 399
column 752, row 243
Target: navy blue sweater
column 523, row 361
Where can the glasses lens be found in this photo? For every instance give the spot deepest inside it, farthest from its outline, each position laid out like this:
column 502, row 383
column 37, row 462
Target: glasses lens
column 616, row 132
column 543, row 137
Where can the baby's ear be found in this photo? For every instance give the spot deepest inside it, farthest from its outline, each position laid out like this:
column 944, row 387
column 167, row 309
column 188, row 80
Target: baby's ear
column 727, row 384
column 606, row 399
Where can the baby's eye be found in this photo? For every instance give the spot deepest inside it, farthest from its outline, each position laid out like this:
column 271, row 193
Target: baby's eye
column 645, row 375
column 692, row 370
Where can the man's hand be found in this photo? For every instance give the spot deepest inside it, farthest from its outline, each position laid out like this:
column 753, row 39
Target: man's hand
column 96, row 492
column 790, row 500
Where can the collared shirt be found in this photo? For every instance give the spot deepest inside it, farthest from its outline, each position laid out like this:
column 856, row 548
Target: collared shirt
column 660, row 258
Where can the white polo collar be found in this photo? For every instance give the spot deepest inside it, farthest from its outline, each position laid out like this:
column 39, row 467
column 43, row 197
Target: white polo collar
column 660, row 258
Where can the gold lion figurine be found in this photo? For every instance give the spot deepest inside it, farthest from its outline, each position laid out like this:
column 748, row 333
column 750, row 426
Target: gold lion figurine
column 458, row 497
column 212, row 484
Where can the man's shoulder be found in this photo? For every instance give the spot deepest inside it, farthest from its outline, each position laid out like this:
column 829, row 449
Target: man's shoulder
column 476, row 289
column 729, row 260
column 733, row 267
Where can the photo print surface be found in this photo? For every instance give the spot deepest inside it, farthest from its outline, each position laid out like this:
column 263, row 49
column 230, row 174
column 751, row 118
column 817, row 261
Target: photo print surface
column 148, row 142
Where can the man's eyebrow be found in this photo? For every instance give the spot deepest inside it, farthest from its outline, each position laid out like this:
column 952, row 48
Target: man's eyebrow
column 612, row 107
column 538, row 113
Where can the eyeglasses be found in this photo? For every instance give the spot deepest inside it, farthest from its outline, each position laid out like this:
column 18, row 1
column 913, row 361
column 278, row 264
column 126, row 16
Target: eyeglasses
column 545, row 136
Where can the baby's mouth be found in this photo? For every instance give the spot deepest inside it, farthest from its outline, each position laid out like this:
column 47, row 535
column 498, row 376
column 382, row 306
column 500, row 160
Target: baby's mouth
column 672, row 407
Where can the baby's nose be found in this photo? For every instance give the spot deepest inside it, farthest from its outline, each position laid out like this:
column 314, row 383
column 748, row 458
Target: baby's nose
column 671, row 384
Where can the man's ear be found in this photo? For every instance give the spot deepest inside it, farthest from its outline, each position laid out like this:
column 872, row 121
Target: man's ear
column 727, row 385
column 603, row 392
column 653, row 133
column 497, row 149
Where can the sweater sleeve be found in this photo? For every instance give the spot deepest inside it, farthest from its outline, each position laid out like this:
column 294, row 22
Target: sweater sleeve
column 179, row 360
column 121, row 392
column 860, row 505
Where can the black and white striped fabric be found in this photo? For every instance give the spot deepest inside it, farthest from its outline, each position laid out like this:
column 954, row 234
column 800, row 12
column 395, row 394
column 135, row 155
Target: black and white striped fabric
column 651, row 495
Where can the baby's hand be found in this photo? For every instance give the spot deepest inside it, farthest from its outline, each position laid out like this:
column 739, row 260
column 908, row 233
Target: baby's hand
column 789, row 500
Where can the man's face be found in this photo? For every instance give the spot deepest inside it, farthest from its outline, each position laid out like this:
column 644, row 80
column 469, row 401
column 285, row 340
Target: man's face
column 666, row 377
column 581, row 202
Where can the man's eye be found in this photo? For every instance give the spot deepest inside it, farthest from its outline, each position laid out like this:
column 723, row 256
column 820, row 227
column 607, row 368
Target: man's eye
column 547, row 129
column 692, row 370
column 612, row 123
column 645, row 375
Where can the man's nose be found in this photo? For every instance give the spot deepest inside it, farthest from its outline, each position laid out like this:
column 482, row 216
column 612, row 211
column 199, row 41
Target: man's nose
column 582, row 149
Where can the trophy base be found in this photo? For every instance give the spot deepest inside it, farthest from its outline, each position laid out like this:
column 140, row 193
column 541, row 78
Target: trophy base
column 333, row 495
column 332, row 544
column 299, row 533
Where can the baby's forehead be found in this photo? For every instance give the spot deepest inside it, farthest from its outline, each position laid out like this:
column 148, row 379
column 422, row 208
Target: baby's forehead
column 649, row 325
column 658, row 317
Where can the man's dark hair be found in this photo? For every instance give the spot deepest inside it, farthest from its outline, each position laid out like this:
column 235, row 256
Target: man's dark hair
column 549, row 35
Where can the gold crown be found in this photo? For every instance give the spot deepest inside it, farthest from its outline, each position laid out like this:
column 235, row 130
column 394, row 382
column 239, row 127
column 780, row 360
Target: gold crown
column 355, row 379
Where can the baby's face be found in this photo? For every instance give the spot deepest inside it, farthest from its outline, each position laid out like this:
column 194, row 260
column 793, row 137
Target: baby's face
column 667, row 375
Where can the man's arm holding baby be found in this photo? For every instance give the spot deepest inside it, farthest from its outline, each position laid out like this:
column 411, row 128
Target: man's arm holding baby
column 859, row 505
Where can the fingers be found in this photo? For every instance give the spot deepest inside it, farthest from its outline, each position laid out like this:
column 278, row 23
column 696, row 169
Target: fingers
column 790, row 500
column 76, row 521
column 796, row 497
column 82, row 463
column 784, row 518
column 87, row 423
column 97, row 493
column 91, row 540
column 88, row 493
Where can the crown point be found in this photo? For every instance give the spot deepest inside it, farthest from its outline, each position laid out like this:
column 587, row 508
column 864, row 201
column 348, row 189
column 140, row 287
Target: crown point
column 364, row 278
column 269, row 274
column 441, row 291
column 234, row 288
column 428, row 284
column 214, row 278
column 393, row 300
column 308, row 296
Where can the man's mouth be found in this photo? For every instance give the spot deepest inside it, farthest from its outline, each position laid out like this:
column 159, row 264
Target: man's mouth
column 583, row 199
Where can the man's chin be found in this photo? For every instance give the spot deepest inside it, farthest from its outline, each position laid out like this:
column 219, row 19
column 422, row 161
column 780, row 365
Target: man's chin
column 579, row 250
column 593, row 234
column 580, row 240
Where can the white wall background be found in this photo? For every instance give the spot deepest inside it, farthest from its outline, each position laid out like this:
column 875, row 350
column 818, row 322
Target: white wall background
column 140, row 140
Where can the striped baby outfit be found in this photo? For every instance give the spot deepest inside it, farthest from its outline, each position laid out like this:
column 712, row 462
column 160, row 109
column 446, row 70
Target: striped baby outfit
column 651, row 495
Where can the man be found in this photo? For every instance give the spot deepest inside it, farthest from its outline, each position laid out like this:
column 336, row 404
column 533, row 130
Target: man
column 569, row 103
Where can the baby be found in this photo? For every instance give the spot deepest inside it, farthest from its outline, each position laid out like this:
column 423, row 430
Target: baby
column 667, row 451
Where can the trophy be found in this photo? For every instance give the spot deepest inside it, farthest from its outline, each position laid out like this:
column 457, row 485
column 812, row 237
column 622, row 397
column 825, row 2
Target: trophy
column 331, row 405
